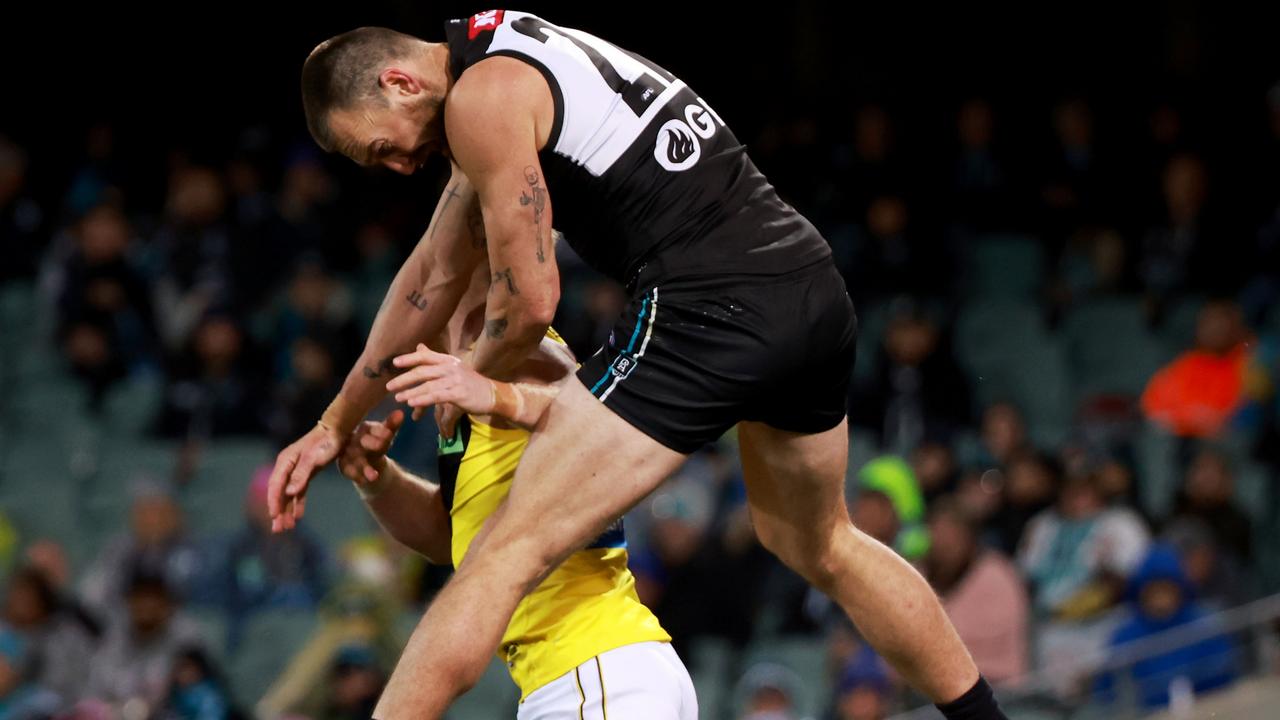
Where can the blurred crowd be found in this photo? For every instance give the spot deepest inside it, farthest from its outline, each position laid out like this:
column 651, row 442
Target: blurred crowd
column 242, row 286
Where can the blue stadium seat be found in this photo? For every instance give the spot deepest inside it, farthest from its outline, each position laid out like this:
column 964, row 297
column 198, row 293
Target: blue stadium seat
column 1110, row 349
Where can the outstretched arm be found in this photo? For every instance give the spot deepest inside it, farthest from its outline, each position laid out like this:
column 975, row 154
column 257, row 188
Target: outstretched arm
column 418, row 305
column 408, row 507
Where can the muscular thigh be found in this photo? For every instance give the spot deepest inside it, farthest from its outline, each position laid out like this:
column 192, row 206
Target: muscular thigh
column 795, row 479
column 582, row 470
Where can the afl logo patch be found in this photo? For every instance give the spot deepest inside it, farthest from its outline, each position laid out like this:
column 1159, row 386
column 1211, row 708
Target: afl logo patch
column 677, row 147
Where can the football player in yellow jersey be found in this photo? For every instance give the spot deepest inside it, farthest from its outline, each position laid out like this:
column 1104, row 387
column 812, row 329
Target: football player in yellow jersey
column 581, row 645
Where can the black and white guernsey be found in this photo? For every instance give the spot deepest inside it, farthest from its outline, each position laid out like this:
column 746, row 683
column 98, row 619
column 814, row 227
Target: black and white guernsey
column 647, row 182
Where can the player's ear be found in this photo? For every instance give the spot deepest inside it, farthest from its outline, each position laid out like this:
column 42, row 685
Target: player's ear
column 399, row 82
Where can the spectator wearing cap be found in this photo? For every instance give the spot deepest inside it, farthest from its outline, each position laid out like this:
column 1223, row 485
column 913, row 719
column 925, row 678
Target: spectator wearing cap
column 891, row 475
column 768, row 693
column 354, row 684
column 196, row 689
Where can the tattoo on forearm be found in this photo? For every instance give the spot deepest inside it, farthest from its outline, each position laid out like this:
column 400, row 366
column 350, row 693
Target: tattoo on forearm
column 417, row 300
column 475, row 225
column 384, row 367
column 537, row 197
column 495, row 328
column 505, row 278
column 450, row 193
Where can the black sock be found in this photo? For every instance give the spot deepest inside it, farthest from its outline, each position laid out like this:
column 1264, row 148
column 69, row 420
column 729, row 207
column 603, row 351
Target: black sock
column 977, row 704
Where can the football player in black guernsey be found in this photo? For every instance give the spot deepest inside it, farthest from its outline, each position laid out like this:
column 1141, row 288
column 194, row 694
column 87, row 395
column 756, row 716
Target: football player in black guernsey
column 737, row 318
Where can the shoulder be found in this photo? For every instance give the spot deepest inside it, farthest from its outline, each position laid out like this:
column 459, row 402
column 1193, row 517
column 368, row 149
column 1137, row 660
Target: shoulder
column 498, row 96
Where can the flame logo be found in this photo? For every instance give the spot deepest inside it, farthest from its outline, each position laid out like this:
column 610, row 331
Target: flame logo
column 679, row 146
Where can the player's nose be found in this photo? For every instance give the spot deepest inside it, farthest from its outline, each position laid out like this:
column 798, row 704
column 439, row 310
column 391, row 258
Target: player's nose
column 404, row 167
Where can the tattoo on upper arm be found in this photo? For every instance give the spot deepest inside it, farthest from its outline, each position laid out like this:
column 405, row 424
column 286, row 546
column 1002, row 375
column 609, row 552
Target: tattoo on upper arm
column 384, row 367
column 475, row 225
column 451, row 192
column 537, row 197
column 417, row 300
column 495, row 328
column 505, row 278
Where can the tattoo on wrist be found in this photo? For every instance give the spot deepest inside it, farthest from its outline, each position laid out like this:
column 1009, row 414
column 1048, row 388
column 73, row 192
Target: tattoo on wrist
column 451, row 192
column 537, row 197
column 495, row 328
column 504, row 278
column 417, row 300
column 384, row 367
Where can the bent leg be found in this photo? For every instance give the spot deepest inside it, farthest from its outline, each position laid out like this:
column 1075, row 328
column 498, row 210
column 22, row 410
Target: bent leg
column 581, row 471
column 795, row 487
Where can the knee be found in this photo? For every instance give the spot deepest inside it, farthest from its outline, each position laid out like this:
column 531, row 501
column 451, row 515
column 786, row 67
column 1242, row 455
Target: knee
column 814, row 553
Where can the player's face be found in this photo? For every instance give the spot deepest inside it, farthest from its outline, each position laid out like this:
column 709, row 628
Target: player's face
column 399, row 134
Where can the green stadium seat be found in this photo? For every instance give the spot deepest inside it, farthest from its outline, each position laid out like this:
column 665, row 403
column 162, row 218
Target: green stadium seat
column 270, row 640
column 1110, row 349
column 495, row 696
column 1158, row 471
column 1006, row 266
column 872, row 320
column 334, row 511
column 214, row 497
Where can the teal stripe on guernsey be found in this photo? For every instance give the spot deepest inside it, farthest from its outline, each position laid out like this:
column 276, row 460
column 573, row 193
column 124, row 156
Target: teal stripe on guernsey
column 644, row 310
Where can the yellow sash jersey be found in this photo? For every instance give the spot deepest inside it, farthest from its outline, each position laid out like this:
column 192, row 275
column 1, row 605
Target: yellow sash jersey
column 586, row 607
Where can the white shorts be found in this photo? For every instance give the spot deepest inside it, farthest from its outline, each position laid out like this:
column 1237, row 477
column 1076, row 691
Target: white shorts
column 642, row 681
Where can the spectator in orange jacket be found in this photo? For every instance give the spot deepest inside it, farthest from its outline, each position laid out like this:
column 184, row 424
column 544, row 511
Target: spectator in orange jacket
column 1201, row 392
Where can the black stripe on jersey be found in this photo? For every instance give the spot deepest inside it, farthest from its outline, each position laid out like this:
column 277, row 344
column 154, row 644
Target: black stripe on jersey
column 556, row 95
column 657, row 70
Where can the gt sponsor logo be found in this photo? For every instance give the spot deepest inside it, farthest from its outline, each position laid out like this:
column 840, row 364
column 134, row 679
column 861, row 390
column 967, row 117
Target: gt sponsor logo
column 678, row 146
column 487, row 20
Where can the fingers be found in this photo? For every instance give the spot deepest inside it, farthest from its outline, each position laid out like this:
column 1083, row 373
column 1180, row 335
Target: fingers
column 371, row 473
column 394, row 421
column 285, row 462
column 423, row 355
column 418, row 375
column 449, row 419
column 418, row 413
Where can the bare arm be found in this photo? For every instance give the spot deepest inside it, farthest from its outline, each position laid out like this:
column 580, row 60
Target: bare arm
column 430, row 378
column 499, row 153
column 408, row 507
column 418, row 305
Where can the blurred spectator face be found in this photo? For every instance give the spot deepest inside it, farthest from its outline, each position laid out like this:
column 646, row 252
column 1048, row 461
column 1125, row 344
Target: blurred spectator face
column 13, row 170
column 682, row 515
column 910, row 340
column 769, row 703
column 218, row 342
column 1209, row 482
column 1166, row 125
column 933, row 463
column 10, row 676
column 155, row 519
column 1002, row 431
column 978, row 493
column 150, row 607
column 872, row 135
column 873, row 514
column 307, row 182
column 312, row 363
column 356, row 681
column 1080, row 499
column 1219, row 327
column 50, row 560
column 1107, row 256
column 887, row 216
column 1184, row 187
column 1114, row 480
column 952, row 542
column 373, row 240
column 29, row 601
column 104, row 235
column 1030, row 481
column 310, row 290
column 87, row 346
column 1160, row 599
column 862, row 703
column 1073, row 123
column 975, row 124
column 196, row 197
